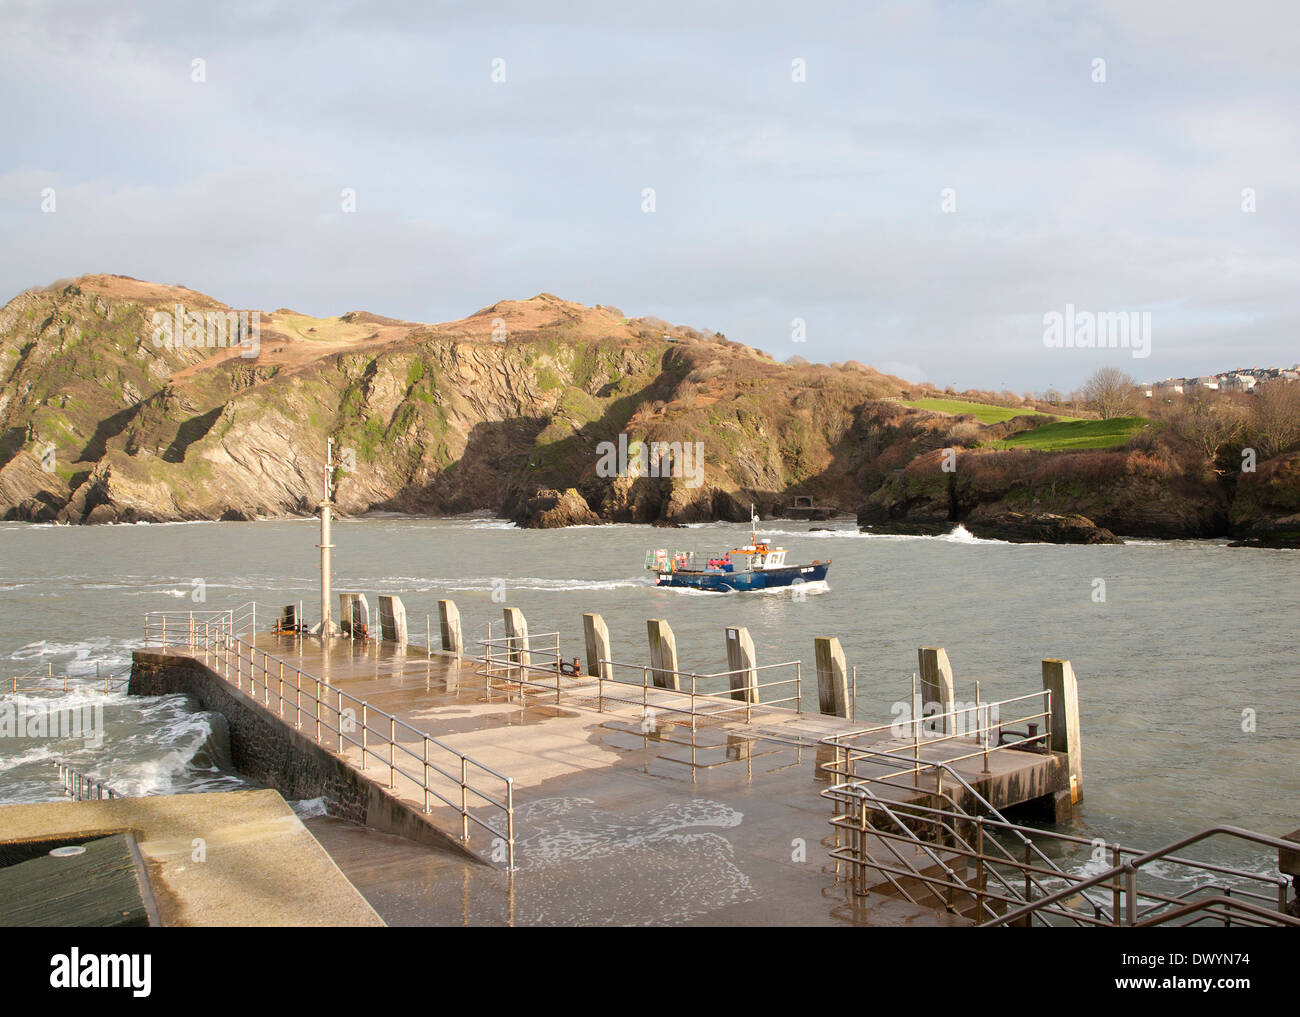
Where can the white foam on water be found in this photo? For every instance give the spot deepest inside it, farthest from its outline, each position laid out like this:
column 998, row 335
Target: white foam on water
column 826, row 534
column 556, row 585
column 308, row 808
column 674, row 867
column 35, row 754
column 814, row 589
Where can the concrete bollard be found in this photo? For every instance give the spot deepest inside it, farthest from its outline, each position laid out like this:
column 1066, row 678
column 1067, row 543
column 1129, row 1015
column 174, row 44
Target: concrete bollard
column 449, row 624
column 1059, row 680
column 392, row 619
column 354, row 614
column 832, row 677
column 741, row 662
column 517, row 632
column 937, row 688
column 597, row 638
column 663, row 655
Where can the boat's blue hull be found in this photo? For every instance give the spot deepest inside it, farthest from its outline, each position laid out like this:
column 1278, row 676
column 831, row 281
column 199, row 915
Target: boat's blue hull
column 728, row 582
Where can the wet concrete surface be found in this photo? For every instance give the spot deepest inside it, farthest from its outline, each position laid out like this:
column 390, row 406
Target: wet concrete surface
column 618, row 821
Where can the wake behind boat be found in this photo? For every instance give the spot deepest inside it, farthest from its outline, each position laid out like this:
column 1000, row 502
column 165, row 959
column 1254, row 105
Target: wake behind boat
column 756, row 566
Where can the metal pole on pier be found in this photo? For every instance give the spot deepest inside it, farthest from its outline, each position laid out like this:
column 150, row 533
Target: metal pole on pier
column 326, row 622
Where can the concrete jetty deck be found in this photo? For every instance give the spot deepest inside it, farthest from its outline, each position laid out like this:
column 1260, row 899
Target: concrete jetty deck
column 616, row 820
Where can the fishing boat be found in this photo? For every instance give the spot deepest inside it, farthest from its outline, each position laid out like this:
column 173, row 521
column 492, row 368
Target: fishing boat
column 756, row 566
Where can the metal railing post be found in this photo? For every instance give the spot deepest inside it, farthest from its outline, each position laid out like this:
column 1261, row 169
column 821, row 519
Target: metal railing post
column 426, row 773
column 464, row 801
column 510, row 823
column 1029, row 886
column 916, row 735
column 365, row 736
column 392, row 750
column 1116, row 860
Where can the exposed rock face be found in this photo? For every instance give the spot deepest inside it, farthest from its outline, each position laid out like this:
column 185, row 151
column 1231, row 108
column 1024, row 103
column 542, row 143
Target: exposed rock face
column 1119, row 492
column 519, row 409
column 1041, row 527
column 1266, row 508
column 100, row 421
column 552, row 509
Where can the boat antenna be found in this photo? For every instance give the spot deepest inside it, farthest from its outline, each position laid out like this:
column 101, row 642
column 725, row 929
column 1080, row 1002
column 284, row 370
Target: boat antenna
column 753, row 526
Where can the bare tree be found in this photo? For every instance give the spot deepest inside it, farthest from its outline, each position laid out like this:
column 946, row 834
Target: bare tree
column 1210, row 422
column 1110, row 392
column 1276, row 417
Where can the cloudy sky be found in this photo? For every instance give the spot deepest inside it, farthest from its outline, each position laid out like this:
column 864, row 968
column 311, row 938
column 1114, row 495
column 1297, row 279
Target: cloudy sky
column 774, row 199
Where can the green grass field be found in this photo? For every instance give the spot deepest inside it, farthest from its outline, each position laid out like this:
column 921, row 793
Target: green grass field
column 985, row 413
column 1076, row 434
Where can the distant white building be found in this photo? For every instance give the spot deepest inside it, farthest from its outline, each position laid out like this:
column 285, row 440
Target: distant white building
column 1169, row 385
column 1208, row 382
column 1239, row 383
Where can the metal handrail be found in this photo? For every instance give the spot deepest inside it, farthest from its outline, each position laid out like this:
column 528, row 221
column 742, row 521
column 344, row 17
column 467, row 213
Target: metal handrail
column 423, row 782
column 80, row 682
column 74, row 781
column 219, row 637
column 1048, row 904
column 509, row 667
column 1231, row 904
column 941, row 768
column 978, row 732
column 1130, row 869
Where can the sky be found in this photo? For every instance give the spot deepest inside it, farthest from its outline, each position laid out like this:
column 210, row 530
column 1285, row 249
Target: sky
column 918, row 186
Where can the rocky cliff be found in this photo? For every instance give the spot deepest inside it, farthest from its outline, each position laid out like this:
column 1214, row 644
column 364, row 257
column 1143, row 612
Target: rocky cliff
column 107, row 416
column 123, row 401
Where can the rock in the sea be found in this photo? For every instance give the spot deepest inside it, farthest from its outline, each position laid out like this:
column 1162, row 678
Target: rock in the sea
column 548, row 509
column 992, row 522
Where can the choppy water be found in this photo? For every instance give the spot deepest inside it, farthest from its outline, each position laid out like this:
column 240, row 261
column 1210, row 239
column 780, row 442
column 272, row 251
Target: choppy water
column 1191, row 634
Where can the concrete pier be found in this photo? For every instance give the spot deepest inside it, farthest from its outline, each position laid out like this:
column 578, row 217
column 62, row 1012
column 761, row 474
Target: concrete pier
column 449, row 627
column 714, row 819
column 663, row 654
column 832, row 677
